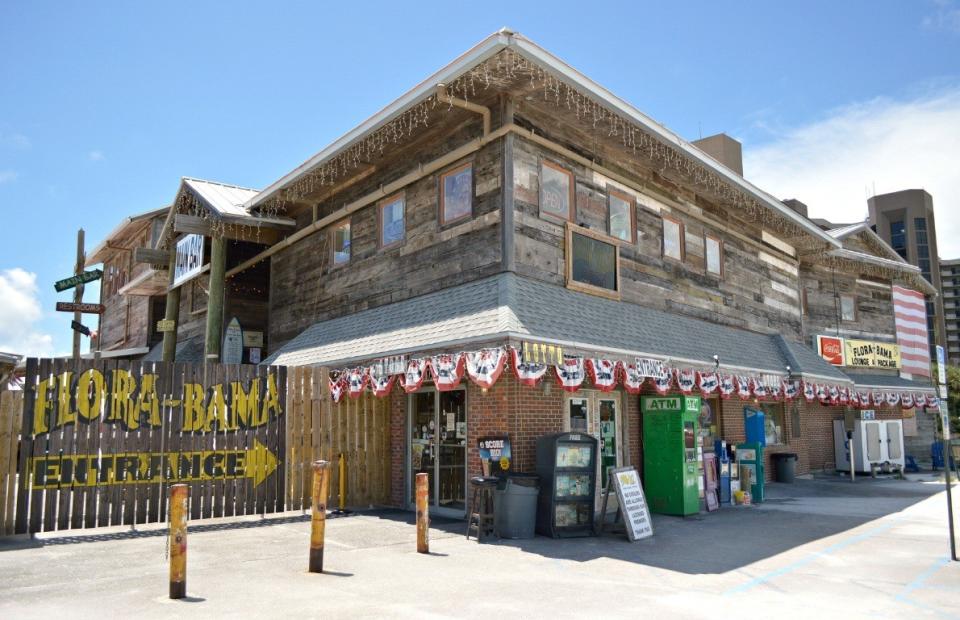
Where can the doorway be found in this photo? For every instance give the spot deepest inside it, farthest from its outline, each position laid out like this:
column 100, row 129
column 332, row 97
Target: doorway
column 600, row 414
column 437, row 445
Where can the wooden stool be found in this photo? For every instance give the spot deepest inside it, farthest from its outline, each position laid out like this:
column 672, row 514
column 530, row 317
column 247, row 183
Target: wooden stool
column 480, row 517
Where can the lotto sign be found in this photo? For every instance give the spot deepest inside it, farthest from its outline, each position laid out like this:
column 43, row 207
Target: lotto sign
column 831, row 349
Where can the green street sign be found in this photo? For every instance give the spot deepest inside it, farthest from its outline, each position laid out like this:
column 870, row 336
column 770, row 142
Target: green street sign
column 83, row 278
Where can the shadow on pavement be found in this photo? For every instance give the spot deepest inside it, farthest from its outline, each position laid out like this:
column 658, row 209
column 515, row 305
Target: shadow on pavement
column 733, row 537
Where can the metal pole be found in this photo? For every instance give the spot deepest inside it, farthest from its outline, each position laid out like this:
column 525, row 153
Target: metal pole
column 178, row 540
column 423, row 514
column 78, row 294
column 318, row 521
column 853, row 461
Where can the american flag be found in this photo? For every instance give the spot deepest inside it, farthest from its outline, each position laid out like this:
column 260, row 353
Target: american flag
column 910, row 313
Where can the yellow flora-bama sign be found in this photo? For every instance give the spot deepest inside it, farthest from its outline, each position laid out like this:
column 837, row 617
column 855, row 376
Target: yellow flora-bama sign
column 86, row 470
column 871, row 354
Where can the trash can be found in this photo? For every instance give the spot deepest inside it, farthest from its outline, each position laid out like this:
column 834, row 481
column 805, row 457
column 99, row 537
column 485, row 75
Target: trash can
column 785, row 466
column 515, row 505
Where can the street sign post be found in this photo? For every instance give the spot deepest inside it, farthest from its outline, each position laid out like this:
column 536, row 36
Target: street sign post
column 80, row 278
column 66, row 306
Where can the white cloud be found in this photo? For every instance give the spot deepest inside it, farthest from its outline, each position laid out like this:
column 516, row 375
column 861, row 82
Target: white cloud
column 95, row 155
column 19, row 313
column 15, row 140
column 946, row 16
column 8, row 176
column 877, row 146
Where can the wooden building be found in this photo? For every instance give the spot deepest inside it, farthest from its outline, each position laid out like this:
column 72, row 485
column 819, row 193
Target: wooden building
column 509, row 205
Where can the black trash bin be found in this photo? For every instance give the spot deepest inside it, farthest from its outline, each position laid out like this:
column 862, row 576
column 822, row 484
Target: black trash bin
column 785, row 466
column 515, row 505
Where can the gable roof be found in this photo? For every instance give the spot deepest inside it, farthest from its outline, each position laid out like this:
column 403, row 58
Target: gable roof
column 863, row 228
column 222, row 198
column 127, row 226
column 508, row 306
column 507, row 39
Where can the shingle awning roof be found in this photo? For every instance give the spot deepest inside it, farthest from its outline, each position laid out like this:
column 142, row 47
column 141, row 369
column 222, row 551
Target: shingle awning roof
column 509, row 306
column 868, row 380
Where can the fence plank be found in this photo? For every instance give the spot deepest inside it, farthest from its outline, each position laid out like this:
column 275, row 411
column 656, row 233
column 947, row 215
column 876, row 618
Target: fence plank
column 91, row 490
column 11, row 404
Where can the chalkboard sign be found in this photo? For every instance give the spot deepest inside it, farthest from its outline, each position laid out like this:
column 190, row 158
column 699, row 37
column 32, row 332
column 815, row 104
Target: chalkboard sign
column 633, row 503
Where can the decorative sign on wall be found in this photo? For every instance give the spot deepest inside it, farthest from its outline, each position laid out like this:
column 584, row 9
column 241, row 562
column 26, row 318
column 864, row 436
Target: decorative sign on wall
column 494, row 455
column 831, row 349
column 189, row 258
column 232, row 352
column 647, row 367
column 166, row 325
column 252, row 339
column 871, row 354
column 67, row 306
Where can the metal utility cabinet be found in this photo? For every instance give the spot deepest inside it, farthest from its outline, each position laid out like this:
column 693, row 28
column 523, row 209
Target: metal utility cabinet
column 671, row 453
column 875, row 442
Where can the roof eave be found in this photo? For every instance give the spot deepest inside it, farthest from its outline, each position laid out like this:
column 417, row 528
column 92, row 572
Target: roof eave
column 477, row 54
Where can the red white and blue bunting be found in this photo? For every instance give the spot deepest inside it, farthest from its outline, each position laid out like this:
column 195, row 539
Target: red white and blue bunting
column 571, row 373
column 603, row 373
column 485, row 366
column 447, row 371
column 528, row 373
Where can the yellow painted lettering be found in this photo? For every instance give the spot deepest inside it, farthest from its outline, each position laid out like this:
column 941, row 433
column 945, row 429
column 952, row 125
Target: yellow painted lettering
column 122, row 407
column 246, row 405
column 149, row 402
column 42, row 406
column 65, row 413
column 271, row 402
column 90, row 394
column 217, row 411
column 192, row 407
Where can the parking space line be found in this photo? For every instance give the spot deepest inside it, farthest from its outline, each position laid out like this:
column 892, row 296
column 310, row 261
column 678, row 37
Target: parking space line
column 789, row 568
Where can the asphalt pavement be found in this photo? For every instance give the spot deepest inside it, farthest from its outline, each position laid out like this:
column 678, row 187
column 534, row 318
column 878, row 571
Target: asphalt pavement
column 822, row 548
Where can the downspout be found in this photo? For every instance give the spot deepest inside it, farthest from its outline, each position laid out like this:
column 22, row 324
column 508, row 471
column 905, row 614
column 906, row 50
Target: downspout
column 444, row 97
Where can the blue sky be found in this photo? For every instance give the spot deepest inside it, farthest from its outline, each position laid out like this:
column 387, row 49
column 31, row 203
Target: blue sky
column 105, row 105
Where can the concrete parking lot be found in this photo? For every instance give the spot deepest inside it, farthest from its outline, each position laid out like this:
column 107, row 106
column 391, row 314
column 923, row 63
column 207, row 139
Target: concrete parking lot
column 817, row 548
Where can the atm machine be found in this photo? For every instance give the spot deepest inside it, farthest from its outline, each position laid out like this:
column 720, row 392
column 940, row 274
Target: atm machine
column 671, row 460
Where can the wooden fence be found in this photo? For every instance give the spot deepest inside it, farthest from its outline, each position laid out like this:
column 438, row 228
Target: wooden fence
column 317, row 428
column 98, row 443
column 11, row 408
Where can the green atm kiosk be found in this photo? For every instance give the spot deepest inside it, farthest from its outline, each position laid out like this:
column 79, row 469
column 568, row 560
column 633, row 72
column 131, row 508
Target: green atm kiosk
column 670, row 454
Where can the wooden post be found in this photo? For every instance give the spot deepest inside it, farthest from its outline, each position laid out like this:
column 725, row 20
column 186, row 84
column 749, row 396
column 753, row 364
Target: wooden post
column 172, row 313
column 178, row 540
column 78, row 294
column 318, row 521
column 343, row 483
column 423, row 514
column 218, row 267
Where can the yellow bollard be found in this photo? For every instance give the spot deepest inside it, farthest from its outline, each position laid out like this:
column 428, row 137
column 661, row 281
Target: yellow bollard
column 318, row 521
column 423, row 514
column 179, row 495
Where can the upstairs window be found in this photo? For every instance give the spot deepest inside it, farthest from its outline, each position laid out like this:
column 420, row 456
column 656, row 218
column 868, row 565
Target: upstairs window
column 848, row 308
column 622, row 222
column 556, row 191
column 592, row 262
column 340, row 242
column 672, row 239
column 390, row 216
column 714, row 256
column 456, row 194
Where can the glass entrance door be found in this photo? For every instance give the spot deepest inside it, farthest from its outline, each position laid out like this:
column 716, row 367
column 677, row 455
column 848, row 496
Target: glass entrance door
column 599, row 413
column 437, row 440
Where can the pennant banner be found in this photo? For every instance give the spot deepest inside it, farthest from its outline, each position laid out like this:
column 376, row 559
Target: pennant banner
column 791, row 389
column 570, row 375
column 686, row 380
column 633, row 378
column 603, row 373
column 356, row 382
column 906, row 400
column 893, row 398
column 708, row 382
column 447, row 371
column 337, row 388
column 528, row 373
column 727, row 387
column 663, row 382
column 413, row 376
column 484, row 367
column 809, row 391
column 743, row 387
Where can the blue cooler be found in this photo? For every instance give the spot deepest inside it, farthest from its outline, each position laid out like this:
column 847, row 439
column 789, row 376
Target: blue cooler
column 753, row 425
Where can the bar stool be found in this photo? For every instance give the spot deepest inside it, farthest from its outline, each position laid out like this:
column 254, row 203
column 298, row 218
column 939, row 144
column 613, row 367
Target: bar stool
column 481, row 507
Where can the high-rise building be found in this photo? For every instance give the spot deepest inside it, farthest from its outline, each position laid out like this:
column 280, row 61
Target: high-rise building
column 950, row 278
column 906, row 221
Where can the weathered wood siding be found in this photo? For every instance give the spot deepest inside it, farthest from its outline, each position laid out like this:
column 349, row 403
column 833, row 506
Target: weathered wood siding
column 873, row 299
column 126, row 319
column 306, row 288
column 760, row 286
